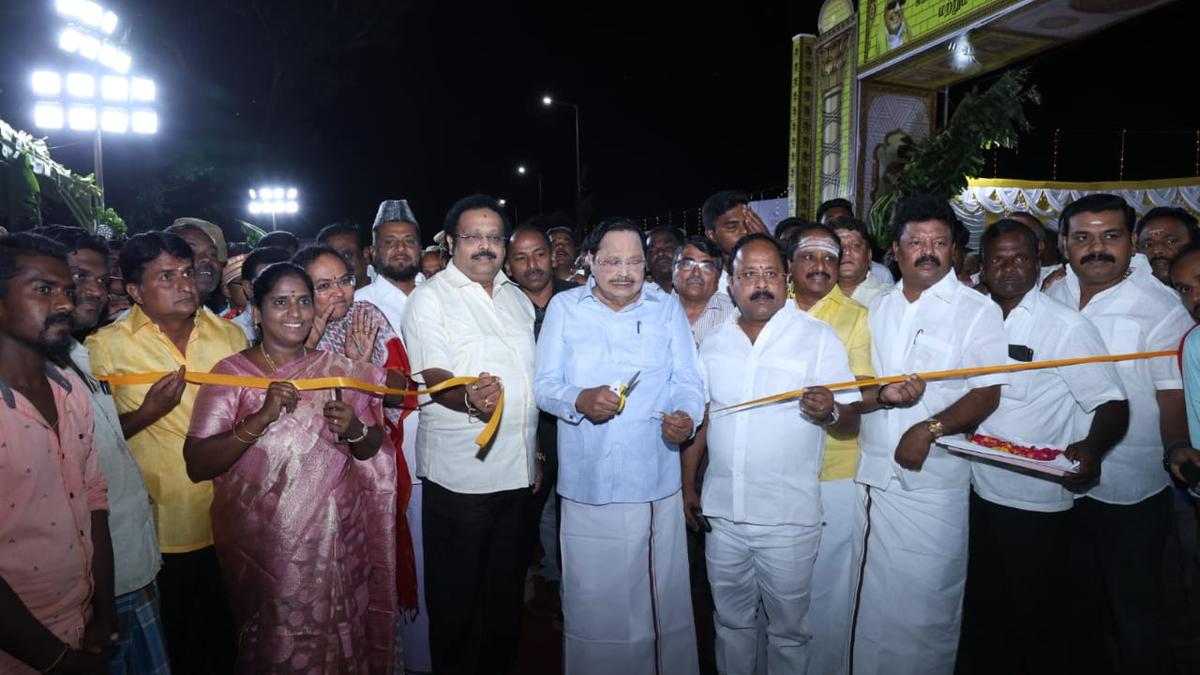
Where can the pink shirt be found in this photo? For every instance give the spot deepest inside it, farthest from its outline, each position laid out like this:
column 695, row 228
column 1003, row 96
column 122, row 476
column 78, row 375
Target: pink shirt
column 49, row 485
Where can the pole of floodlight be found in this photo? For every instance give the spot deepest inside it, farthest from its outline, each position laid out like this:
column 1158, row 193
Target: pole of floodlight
column 98, row 160
column 549, row 101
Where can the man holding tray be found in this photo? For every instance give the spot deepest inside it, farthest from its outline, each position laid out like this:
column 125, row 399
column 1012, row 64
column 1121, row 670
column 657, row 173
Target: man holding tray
column 1020, row 520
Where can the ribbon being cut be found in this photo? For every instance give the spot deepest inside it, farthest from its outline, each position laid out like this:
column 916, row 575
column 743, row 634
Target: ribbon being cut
column 482, row 440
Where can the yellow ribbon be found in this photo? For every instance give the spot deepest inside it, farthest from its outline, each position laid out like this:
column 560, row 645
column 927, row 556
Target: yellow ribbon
column 482, row 440
column 947, row 374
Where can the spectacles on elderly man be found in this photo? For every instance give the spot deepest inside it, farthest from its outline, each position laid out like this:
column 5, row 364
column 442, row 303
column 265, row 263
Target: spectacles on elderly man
column 689, row 264
column 326, row 286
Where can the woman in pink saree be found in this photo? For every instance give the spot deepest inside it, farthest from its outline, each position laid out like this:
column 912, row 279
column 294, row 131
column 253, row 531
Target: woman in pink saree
column 303, row 495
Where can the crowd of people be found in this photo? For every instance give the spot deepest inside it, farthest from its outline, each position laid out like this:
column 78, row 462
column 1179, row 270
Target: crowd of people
column 184, row 491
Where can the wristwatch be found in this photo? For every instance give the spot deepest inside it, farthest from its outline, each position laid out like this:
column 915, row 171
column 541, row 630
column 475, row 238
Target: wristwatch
column 832, row 418
column 935, row 427
column 883, row 405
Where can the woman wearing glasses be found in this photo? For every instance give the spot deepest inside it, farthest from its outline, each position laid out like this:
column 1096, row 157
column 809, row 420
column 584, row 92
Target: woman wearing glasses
column 301, row 483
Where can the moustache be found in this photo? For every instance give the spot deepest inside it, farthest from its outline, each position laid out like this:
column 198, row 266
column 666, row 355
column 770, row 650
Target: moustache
column 814, row 275
column 535, row 273
column 762, row 295
column 928, row 259
column 1096, row 257
column 52, row 321
column 483, row 254
column 1160, row 260
column 622, row 280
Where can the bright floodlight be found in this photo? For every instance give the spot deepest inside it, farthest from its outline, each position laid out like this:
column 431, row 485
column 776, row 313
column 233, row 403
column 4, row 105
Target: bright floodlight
column 141, row 89
column 48, row 115
column 81, row 85
column 253, row 194
column 503, row 202
column 89, row 47
column 292, row 193
column 277, row 193
column 114, row 89
column 69, row 40
column 255, row 207
column 114, row 59
column 46, row 83
column 114, row 120
column 144, row 122
column 521, row 170
column 109, row 23
column 89, row 13
column 81, row 118
column 546, row 100
column 293, row 207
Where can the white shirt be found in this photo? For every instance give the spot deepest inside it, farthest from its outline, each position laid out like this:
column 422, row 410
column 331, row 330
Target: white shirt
column 870, row 287
column 130, row 523
column 453, row 324
column 1048, row 408
column 245, row 321
column 949, row 326
column 881, row 273
column 764, row 463
column 1139, row 314
column 392, row 301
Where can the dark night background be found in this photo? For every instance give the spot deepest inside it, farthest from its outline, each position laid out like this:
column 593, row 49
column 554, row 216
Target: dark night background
column 354, row 101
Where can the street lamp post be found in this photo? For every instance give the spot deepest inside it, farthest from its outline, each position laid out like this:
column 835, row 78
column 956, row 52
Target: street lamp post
column 549, row 101
column 274, row 200
column 522, row 171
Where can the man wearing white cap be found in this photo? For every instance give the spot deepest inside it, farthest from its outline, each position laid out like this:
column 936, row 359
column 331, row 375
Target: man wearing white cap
column 395, row 252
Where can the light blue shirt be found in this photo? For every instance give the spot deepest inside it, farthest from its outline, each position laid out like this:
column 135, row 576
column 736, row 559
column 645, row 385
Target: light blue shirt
column 585, row 344
column 1191, row 384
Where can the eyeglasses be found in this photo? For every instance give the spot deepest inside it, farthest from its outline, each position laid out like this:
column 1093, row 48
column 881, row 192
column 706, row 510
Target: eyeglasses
column 473, row 239
column 755, row 275
column 688, row 264
column 326, row 286
column 614, row 263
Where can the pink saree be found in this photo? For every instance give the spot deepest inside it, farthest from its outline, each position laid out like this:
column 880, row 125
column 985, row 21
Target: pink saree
column 305, row 532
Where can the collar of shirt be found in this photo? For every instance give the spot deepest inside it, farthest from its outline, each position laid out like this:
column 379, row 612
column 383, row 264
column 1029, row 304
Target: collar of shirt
column 457, row 279
column 52, row 373
column 642, row 297
column 1138, row 274
column 943, row 290
column 833, row 297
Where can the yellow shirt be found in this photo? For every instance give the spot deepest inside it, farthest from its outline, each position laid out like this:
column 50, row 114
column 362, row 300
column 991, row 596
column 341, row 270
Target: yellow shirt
column 848, row 319
column 136, row 345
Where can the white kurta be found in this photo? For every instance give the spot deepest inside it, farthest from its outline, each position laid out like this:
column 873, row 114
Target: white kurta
column 761, row 489
column 914, row 537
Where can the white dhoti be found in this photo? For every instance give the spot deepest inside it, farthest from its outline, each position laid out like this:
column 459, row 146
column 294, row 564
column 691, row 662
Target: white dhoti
column 833, row 580
column 909, row 607
column 774, row 564
column 627, row 605
column 414, row 631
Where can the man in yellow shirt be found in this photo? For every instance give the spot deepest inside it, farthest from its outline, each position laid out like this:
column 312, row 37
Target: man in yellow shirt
column 169, row 330
column 815, row 254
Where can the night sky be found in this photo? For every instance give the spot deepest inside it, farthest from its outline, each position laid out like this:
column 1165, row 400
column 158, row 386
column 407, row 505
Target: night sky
column 361, row 100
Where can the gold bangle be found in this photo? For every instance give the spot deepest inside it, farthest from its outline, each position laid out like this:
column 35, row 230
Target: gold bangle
column 365, row 430
column 253, row 436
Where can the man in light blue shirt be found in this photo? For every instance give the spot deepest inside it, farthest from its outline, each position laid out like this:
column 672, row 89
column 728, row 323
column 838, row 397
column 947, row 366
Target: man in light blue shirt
column 626, row 601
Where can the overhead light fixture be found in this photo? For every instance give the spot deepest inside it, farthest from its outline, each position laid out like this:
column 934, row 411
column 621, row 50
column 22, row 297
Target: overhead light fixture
column 962, row 54
column 81, row 117
column 88, row 13
column 46, row 83
column 81, row 85
column 48, row 115
column 144, row 122
column 114, row 121
column 142, row 90
column 114, row 89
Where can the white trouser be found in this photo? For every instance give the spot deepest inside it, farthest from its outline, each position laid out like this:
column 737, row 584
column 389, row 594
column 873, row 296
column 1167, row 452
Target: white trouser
column 627, row 603
column 909, row 609
column 833, row 581
column 414, row 632
column 771, row 563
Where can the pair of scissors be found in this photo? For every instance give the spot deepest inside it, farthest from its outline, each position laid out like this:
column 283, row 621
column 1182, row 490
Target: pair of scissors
column 624, row 390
